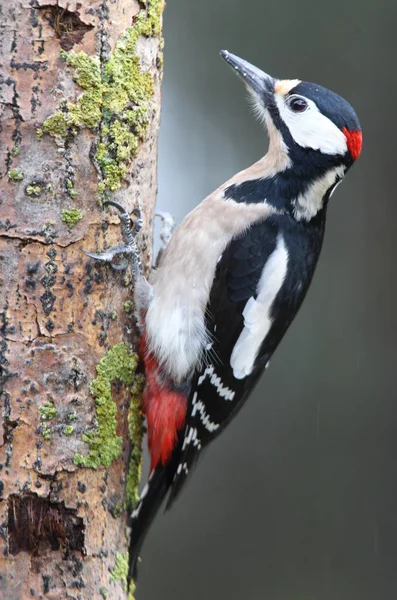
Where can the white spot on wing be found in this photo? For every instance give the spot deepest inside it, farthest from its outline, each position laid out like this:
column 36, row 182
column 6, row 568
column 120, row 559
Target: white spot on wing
column 191, row 437
column 198, row 406
column 222, row 390
column 257, row 321
column 182, row 467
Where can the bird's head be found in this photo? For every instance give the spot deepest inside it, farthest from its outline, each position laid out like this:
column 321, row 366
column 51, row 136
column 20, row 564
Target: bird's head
column 316, row 130
column 307, row 115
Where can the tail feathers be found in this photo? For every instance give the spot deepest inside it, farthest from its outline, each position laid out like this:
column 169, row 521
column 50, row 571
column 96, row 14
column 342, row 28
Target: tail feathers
column 187, row 461
column 152, row 497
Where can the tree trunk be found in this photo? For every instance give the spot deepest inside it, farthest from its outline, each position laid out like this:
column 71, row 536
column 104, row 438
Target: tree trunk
column 79, row 106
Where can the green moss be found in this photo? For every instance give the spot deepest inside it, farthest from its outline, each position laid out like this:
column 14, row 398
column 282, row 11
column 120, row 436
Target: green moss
column 33, row 190
column 136, row 430
column 48, row 411
column 87, row 111
column 104, row 593
column 68, row 430
column 70, row 189
column 128, row 307
column 119, row 364
column 15, row 151
column 101, row 188
column 15, row 174
column 71, row 217
column 46, row 431
column 115, row 100
column 131, row 591
column 120, row 573
column 39, row 133
column 120, row 569
column 72, row 416
column 56, row 125
column 48, row 187
column 114, row 173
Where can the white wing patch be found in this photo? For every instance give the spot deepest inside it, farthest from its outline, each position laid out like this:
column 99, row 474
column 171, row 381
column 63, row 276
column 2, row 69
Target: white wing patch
column 312, row 129
column 257, row 320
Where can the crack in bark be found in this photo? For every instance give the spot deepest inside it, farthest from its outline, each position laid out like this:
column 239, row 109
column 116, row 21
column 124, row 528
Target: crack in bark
column 24, row 241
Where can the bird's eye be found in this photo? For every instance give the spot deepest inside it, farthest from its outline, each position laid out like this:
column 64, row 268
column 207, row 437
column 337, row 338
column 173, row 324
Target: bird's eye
column 297, row 104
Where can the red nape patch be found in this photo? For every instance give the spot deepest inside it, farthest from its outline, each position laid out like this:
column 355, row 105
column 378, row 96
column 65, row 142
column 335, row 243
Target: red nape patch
column 354, row 142
column 165, row 410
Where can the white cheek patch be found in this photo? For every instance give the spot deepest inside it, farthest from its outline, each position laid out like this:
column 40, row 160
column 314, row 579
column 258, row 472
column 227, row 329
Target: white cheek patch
column 257, row 320
column 312, row 129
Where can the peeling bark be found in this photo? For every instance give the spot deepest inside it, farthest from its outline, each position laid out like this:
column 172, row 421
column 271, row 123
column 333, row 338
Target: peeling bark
column 67, row 373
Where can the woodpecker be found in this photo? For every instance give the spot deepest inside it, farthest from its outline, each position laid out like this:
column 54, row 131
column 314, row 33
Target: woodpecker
column 233, row 277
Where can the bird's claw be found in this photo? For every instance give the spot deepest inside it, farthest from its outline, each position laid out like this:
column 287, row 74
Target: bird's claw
column 128, row 250
column 112, row 256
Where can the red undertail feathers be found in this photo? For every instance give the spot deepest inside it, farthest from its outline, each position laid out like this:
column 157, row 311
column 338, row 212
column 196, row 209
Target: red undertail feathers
column 165, row 410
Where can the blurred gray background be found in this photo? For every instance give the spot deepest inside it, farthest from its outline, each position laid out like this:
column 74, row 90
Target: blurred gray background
column 297, row 500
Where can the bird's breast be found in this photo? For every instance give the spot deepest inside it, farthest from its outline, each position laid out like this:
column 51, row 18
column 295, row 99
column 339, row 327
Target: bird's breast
column 175, row 323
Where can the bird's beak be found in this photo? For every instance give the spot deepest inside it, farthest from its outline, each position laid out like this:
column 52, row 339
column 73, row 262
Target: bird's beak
column 254, row 78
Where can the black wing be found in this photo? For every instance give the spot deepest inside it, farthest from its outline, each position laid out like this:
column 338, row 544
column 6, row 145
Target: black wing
column 216, row 395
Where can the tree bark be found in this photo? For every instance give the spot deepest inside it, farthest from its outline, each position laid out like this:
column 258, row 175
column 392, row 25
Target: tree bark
column 79, row 116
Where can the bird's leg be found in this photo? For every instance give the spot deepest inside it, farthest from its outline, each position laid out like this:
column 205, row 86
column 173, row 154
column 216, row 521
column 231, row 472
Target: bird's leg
column 120, row 256
column 167, row 229
column 126, row 254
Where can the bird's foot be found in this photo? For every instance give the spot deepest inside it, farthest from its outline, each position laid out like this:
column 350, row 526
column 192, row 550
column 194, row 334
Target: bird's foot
column 119, row 257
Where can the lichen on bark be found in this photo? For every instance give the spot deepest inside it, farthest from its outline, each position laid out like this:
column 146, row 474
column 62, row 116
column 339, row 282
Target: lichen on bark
column 115, row 99
column 119, row 364
column 136, row 431
column 71, row 216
